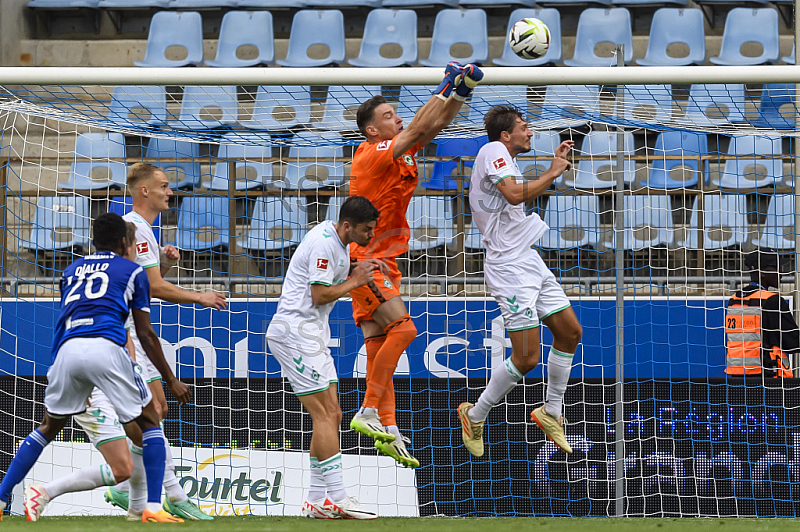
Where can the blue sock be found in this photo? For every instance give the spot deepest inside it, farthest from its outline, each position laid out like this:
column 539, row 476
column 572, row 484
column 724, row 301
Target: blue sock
column 23, row 461
column 154, row 455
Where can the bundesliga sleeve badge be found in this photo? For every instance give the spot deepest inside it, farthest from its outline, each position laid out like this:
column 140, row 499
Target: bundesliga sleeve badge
column 322, row 264
column 499, row 164
column 142, row 248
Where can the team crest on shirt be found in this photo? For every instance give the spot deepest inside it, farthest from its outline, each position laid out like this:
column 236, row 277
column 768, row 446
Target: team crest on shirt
column 383, row 145
column 322, row 264
column 499, row 163
column 409, row 160
column 142, row 248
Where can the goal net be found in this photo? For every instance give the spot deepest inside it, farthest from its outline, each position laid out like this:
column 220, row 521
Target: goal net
column 676, row 177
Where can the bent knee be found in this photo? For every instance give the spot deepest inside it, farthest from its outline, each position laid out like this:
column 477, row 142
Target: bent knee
column 122, row 471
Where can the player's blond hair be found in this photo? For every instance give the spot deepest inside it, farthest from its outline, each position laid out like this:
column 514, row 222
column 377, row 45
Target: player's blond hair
column 140, row 172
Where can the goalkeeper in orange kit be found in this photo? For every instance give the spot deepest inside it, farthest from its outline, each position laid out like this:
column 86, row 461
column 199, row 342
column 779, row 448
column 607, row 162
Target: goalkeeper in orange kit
column 385, row 172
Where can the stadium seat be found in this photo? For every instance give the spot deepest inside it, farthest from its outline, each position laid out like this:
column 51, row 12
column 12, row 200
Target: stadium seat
column 597, row 25
column 277, row 223
column 122, row 205
column 473, row 240
column 675, row 25
column 203, row 223
column 748, row 171
column 573, row 222
column 747, row 25
column 776, row 110
column 306, row 175
column 458, row 26
column 552, row 19
column 418, row 3
column 245, row 28
column 648, row 3
column 484, row 97
column 60, row 222
column 132, row 4
column 411, row 98
column 138, row 106
column 251, row 169
column 334, row 205
column 168, row 151
column 208, row 107
column 341, row 106
column 174, row 29
column 328, row 30
column 713, row 105
column 779, row 231
column 543, row 148
column 267, row 4
column 648, row 104
column 61, row 4
column 678, row 173
column 648, row 222
column 599, row 171
column 92, row 168
column 724, row 221
column 387, row 27
column 280, row 107
column 328, row 4
column 571, row 2
column 430, row 220
column 444, row 171
column 789, row 59
column 565, row 106
column 201, row 4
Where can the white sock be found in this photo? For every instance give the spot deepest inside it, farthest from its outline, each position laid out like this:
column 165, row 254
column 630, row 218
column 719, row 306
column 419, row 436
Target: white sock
column 137, row 493
column 559, row 366
column 501, row 382
column 392, row 429
column 364, row 411
column 317, row 490
column 334, row 480
column 171, row 484
column 84, row 479
column 154, row 507
column 125, row 485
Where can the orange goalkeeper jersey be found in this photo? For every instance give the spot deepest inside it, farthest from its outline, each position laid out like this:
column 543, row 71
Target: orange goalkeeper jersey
column 389, row 184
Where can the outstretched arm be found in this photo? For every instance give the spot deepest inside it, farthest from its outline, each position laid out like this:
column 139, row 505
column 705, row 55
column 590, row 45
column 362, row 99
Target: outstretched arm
column 169, row 292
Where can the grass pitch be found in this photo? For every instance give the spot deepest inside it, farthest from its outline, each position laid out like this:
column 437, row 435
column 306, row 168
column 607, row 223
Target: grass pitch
column 400, row 524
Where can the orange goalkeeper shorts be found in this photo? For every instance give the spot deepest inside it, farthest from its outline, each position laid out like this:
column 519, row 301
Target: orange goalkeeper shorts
column 383, row 288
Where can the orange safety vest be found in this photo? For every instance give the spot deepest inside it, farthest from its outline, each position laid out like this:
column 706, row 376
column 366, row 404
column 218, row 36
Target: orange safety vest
column 744, row 339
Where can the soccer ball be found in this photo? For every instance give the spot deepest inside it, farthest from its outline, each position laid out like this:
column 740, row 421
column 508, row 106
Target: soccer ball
column 529, row 38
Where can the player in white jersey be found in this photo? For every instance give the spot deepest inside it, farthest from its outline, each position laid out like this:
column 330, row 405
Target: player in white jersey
column 298, row 337
column 525, row 289
column 149, row 188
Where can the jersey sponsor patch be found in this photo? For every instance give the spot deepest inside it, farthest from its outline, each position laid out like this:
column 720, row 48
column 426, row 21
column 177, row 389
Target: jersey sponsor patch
column 142, row 248
column 322, row 264
column 500, row 163
column 383, row 145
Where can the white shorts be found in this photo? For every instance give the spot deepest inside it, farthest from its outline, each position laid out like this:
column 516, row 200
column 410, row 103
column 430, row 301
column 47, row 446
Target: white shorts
column 149, row 371
column 306, row 374
column 83, row 363
column 100, row 421
column 526, row 291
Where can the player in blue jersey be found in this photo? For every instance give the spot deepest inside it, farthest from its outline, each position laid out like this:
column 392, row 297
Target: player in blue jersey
column 98, row 292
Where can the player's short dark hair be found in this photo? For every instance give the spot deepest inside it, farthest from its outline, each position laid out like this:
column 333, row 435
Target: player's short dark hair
column 500, row 118
column 108, row 231
column 366, row 112
column 358, row 210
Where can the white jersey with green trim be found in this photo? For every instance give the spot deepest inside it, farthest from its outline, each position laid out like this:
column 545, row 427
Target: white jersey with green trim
column 507, row 231
column 147, row 250
column 321, row 258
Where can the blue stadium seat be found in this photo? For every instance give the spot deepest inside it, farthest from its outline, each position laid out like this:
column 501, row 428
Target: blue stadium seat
column 779, row 231
column 342, row 104
column 419, row 3
column 306, row 175
column 334, row 205
column 280, row 107
column 245, row 28
column 430, row 220
column 744, row 25
column 201, row 4
column 444, row 171
column 678, row 173
column 267, row 4
column 208, row 107
column 411, row 98
column 649, row 3
column 573, row 220
column 599, row 172
column 328, row 29
column 713, row 105
column 748, row 171
column 789, row 59
column 253, row 166
column 276, row 224
column 648, row 222
column 328, row 4
column 565, row 106
column 675, row 25
column 484, row 97
column 138, row 106
column 388, row 27
column 454, row 26
column 92, row 168
column 597, row 25
column 724, row 222
column 543, row 148
column 203, row 223
column 552, row 19
column 473, row 239
column 61, row 4
column 168, row 151
column 774, row 96
column 171, row 28
column 648, row 104
column 132, row 4
column 60, row 222
column 122, row 205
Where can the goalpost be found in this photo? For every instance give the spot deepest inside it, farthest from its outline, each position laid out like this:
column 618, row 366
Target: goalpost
column 678, row 173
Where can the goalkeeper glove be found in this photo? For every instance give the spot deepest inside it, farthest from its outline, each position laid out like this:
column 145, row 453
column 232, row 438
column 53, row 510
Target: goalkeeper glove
column 467, row 80
column 444, row 89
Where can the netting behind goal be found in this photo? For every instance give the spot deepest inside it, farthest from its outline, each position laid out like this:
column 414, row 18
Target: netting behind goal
column 671, row 186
